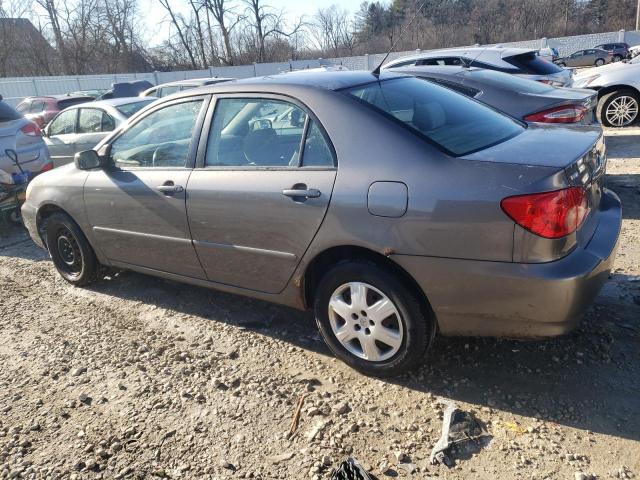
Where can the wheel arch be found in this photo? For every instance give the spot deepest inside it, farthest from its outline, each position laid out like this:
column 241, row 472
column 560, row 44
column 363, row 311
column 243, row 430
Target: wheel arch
column 602, row 91
column 45, row 211
column 326, row 259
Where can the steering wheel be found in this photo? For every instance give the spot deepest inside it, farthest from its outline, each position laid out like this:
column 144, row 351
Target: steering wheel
column 162, row 153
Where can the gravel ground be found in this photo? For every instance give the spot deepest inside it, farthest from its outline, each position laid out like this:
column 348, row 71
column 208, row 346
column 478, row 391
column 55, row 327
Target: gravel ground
column 138, row 377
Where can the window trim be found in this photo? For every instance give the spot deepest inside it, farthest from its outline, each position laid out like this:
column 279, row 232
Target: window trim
column 208, row 124
column 195, row 139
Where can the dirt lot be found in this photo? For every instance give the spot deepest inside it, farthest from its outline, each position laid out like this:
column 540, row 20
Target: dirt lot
column 138, row 377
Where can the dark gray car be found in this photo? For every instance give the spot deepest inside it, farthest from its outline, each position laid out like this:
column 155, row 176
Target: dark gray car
column 524, row 99
column 393, row 207
column 591, row 57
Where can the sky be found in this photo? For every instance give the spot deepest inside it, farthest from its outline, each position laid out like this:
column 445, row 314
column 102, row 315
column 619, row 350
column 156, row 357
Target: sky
column 157, row 20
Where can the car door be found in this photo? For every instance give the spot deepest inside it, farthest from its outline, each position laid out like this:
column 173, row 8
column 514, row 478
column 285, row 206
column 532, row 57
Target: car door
column 136, row 207
column 589, row 57
column 60, row 137
column 94, row 124
column 260, row 191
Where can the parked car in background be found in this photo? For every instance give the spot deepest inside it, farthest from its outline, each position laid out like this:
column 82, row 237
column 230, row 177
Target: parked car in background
column 25, row 138
column 42, row 109
column 169, row 88
column 95, row 93
column 517, row 61
column 125, row 89
column 82, row 127
column 618, row 87
column 585, row 58
column 392, row 206
column 618, row 50
column 521, row 98
column 549, row 53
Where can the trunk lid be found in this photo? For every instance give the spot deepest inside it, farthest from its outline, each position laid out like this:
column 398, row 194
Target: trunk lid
column 543, row 145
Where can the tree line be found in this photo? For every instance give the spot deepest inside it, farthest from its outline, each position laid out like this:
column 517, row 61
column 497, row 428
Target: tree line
column 104, row 36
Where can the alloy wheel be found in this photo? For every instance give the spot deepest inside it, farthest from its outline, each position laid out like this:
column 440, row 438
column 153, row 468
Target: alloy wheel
column 365, row 321
column 622, row 111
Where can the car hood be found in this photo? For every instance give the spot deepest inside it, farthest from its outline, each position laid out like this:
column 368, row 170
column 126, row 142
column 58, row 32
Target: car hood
column 543, row 145
column 611, row 67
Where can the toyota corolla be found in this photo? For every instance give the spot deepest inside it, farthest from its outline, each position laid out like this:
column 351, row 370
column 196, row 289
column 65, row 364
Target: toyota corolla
column 393, row 207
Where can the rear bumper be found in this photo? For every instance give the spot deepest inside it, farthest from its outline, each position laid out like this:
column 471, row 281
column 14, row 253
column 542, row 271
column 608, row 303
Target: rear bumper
column 518, row 299
column 29, row 218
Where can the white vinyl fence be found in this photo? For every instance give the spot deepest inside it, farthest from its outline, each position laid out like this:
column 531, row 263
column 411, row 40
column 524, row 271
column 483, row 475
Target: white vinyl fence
column 14, row 89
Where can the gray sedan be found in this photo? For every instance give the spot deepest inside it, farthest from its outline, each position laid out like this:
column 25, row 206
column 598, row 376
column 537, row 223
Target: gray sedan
column 524, row 99
column 83, row 126
column 393, row 207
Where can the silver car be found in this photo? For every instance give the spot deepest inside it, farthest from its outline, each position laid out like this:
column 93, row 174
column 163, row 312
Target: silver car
column 523, row 62
column 618, row 86
column 25, row 138
column 83, row 126
column 170, row 88
column 393, row 207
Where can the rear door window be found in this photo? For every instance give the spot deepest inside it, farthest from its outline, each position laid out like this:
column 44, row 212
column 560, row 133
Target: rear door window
column 37, row 106
column 532, row 64
column 255, row 132
column 92, row 120
column 453, row 122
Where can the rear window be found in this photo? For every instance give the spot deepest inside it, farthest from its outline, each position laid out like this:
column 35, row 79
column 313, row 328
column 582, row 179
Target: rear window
column 69, row 102
column 510, row 82
column 533, row 64
column 451, row 121
column 7, row 113
column 128, row 109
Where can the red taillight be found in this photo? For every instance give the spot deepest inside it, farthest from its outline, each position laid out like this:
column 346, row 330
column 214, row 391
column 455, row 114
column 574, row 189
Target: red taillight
column 547, row 82
column 47, row 167
column 549, row 214
column 562, row 114
column 32, row 130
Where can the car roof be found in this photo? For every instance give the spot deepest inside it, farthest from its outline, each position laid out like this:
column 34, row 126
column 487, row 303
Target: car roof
column 194, row 81
column 327, row 79
column 478, row 53
column 57, row 97
column 112, row 102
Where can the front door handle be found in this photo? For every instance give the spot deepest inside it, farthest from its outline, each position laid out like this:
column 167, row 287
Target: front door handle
column 309, row 193
column 170, row 188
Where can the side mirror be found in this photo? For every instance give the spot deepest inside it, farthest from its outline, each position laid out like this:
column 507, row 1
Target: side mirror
column 89, row 159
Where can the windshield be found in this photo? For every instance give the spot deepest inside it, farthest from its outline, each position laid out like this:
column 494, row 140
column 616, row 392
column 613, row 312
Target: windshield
column 510, row 82
column 453, row 122
column 128, row 109
column 533, row 64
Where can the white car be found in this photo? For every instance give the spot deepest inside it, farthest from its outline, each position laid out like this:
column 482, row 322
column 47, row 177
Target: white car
column 523, row 62
column 618, row 86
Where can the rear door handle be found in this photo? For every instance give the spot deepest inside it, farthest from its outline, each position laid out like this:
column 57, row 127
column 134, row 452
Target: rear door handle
column 310, row 193
column 170, row 189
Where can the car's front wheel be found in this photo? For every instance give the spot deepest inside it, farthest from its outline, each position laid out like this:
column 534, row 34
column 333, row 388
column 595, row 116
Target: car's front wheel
column 619, row 109
column 372, row 320
column 70, row 251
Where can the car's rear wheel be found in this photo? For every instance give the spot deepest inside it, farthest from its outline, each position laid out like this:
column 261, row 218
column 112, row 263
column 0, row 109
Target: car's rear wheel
column 617, row 58
column 70, row 251
column 372, row 320
column 619, row 109
column 599, row 62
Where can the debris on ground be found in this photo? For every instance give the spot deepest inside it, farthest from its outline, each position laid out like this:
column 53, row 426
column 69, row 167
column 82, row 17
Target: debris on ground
column 350, row 469
column 458, row 427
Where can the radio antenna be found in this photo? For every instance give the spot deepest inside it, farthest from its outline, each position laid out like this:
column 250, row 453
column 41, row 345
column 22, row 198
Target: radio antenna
column 376, row 71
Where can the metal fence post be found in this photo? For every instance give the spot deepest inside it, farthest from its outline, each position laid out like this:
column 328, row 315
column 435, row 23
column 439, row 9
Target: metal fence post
column 35, row 87
column 78, row 83
column 155, row 77
column 621, row 35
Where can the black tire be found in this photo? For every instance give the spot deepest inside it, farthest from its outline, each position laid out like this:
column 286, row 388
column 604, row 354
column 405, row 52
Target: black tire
column 599, row 62
column 418, row 325
column 562, row 64
column 606, row 100
column 617, row 58
column 70, row 251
